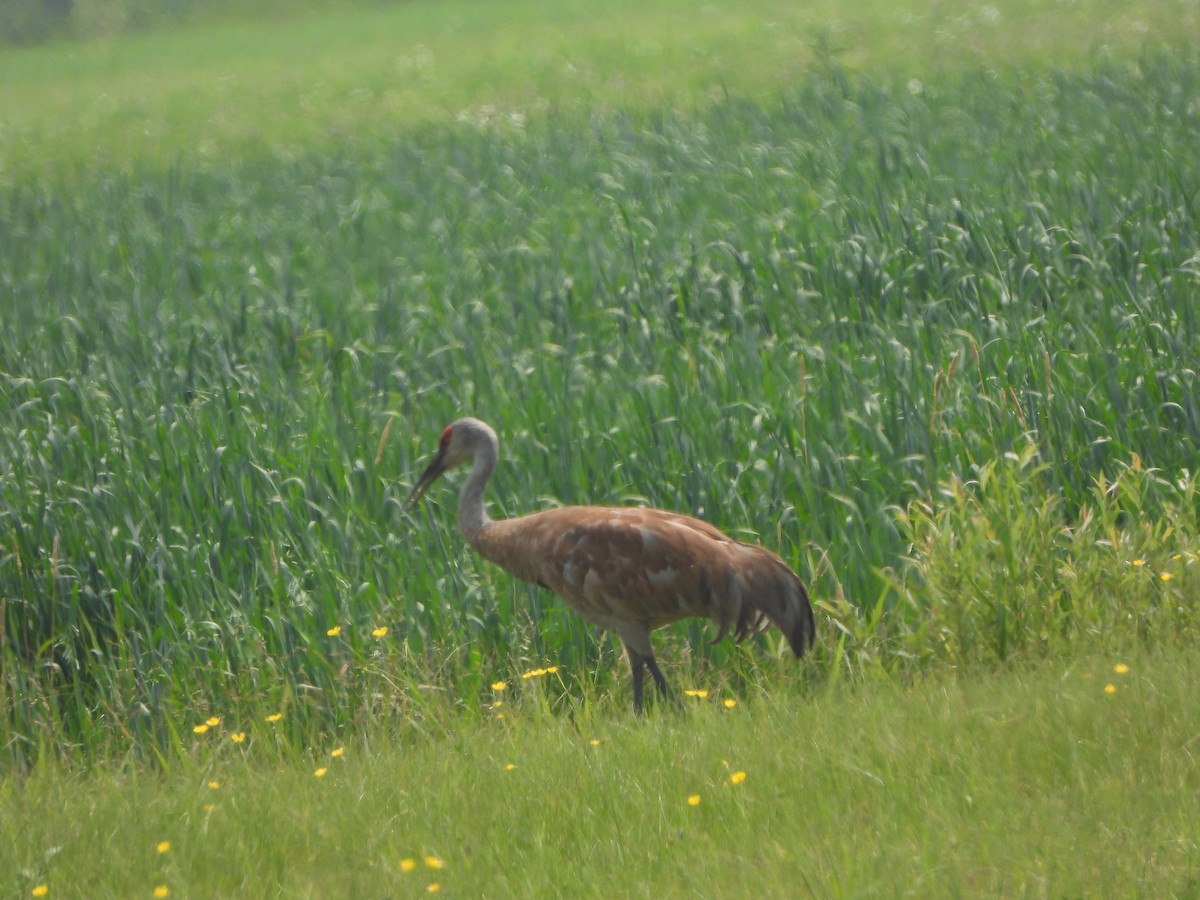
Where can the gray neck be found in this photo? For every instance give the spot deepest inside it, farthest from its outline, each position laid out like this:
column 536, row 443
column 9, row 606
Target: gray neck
column 472, row 517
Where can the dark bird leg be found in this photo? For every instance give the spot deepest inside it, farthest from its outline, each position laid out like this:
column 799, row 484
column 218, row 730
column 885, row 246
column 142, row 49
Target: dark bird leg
column 637, row 665
column 657, row 675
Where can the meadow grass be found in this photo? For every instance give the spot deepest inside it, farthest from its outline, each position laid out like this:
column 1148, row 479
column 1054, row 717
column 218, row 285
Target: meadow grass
column 906, row 293
column 933, row 339
column 802, row 320
column 229, row 89
column 1070, row 778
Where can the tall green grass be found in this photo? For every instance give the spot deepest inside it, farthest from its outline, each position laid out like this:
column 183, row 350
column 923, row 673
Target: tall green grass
column 799, row 318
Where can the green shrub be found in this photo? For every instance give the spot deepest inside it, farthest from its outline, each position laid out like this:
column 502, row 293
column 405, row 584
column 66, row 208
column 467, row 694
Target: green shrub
column 1002, row 568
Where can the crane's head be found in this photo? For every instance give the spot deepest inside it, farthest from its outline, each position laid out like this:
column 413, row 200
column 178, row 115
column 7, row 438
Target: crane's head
column 461, row 440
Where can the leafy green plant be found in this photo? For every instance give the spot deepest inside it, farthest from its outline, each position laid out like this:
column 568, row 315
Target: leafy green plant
column 1000, row 568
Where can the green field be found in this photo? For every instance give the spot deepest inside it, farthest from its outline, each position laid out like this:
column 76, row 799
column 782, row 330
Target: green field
column 265, row 86
column 1033, row 782
column 909, row 296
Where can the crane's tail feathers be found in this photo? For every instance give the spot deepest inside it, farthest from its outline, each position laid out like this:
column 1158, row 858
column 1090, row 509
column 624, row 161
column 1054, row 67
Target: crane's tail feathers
column 763, row 595
column 804, row 630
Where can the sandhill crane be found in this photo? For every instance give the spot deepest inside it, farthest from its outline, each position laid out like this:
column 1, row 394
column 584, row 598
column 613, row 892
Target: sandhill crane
column 626, row 569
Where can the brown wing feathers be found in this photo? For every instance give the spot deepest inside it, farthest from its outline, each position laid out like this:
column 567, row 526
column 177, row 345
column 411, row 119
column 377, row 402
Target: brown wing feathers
column 653, row 568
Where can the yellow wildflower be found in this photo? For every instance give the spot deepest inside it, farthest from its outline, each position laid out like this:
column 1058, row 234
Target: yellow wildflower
column 274, row 717
column 41, row 890
column 213, row 785
column 238, row 737
column 162, row 891
column 1110, row 689
column 200, row 729
column 595, row 742
column 434, row 863
column 163, row 846
column 1120, row 668
column 510, row 767
column 694, row 800
column 407, row 865
column 379, row 632
column 1138, row 563
column 730, row 703
column 434, row 887
column 499, row 686
column 334, row 631
column 320, row 773
column 339, row 751
column 701, row 693
column 213, row 722
column 538, row 673
column 1166, row 576
column 209, row 807
column 737, row 777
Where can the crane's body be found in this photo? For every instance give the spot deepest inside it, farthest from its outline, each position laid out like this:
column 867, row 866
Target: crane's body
column 628, row 570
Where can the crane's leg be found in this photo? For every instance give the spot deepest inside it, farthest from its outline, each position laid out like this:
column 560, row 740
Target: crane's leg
column 640, row 654
column 637, row 666
column 638, row 663
column 657, row 675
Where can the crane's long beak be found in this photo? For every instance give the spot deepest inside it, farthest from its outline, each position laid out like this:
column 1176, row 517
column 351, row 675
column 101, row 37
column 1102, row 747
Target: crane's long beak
column 428, row 477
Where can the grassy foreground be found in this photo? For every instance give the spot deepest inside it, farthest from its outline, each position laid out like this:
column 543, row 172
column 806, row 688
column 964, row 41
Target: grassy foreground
column 1026, row 782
